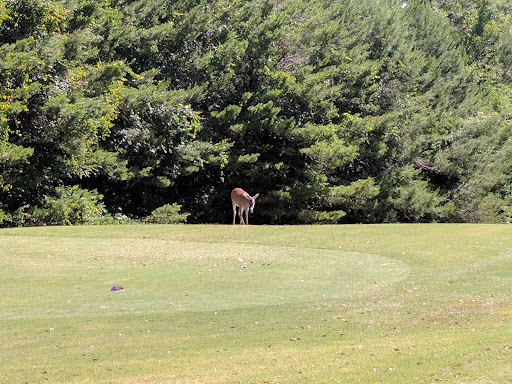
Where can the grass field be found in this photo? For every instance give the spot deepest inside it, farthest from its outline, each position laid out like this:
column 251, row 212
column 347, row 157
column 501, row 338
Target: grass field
column 258, row 304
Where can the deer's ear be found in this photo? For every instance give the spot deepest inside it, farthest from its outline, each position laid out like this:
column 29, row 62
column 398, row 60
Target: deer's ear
column 256, row 195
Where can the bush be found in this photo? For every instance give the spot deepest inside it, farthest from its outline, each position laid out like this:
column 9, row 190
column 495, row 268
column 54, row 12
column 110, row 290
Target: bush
column 321, row 217
column 72, row 206
column 167, row 214
column 19, row 218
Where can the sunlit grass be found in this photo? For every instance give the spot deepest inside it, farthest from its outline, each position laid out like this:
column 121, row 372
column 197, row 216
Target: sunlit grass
column 228, row 304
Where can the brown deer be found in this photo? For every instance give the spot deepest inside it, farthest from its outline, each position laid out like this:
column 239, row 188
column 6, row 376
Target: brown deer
column 244, row 202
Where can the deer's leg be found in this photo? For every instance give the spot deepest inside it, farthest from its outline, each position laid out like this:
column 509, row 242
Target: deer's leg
column 247, row 216
column 241, row 214
column 234, row 213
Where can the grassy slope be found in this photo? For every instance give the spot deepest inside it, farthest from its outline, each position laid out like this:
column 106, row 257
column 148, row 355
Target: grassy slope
column 207, row 304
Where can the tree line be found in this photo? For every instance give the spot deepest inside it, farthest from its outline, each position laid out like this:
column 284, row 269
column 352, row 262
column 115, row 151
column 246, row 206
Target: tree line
column 349, row 111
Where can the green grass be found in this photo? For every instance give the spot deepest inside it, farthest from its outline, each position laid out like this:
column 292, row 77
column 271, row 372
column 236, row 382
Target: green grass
column 258, row 304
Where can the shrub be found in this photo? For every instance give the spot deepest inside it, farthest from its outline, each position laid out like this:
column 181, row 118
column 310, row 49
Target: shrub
column 72, row 206
column 321, row 217
column 167, row 214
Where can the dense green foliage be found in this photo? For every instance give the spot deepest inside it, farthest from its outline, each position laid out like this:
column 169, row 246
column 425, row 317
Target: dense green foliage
column 347, row 111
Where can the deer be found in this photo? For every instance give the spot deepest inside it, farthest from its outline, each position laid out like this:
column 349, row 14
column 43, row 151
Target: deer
column 244, row 202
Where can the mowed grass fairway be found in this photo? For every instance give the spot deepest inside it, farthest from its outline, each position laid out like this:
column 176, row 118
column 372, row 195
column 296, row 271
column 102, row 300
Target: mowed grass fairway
column 258, row 304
